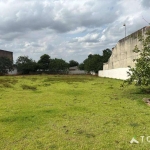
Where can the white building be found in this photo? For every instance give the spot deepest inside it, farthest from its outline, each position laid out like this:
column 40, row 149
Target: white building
column 75, row 70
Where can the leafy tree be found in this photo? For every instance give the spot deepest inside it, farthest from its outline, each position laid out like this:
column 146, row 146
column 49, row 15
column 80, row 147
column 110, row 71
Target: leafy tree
column 93, row 63
column 73, row 63
column 140, row 74
column 58, row 66
column 26, row 65
column 6, row 65
column 44, row 62
column 81, row 66
column 106, row 55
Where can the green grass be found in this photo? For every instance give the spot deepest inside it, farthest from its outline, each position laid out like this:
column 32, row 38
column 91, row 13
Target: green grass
column 71, row 113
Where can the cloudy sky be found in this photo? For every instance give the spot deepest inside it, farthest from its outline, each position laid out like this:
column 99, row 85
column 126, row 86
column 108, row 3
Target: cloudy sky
column 68, row 29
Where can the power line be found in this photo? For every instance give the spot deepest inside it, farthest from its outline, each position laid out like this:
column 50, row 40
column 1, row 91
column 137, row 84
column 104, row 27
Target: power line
column 145, row 20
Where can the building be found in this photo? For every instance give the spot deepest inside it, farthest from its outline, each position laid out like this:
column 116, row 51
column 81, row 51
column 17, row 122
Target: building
column 123, row 55
column 75, row 70
column 7, row 54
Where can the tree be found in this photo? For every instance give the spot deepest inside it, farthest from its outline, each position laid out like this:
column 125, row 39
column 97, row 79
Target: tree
column 58, row 66
column 106, row 55
column 6, row 65
column 73, row 63
column 26, row 65
column 93, row 63
column 44, row 62
column 140, row 74
column 81, row 66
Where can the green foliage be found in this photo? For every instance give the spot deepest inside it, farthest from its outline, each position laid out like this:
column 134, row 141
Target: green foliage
column 44, row 62
column 6, row 65
column 58, row 66
column 73, row 63
column 47, row 65
column 95, row 62
column 26, row 65
column 81, row 66
column 106, row 55
column 140, row 74
column 52, row 65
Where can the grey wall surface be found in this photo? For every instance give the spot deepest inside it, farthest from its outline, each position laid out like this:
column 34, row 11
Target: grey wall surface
column 122, row 54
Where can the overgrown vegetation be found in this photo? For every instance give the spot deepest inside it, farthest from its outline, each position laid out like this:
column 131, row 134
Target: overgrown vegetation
column 71, row 113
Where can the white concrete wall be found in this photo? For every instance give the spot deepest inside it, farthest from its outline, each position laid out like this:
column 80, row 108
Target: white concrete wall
column 118, row 73
column 14, row 72
column 122, row 54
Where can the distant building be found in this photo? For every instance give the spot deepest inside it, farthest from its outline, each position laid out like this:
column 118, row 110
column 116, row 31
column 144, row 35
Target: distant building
column 8, row 54
column 75, row 70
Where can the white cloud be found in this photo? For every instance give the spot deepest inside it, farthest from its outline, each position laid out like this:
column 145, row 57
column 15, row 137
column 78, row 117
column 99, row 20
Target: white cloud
column 89, row 38
column 68, row 29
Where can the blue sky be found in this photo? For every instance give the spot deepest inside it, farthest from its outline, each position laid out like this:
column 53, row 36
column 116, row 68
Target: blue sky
column 68, row 29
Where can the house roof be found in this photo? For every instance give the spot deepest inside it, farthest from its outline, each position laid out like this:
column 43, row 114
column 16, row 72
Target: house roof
column 5, row 51
column 73, row 68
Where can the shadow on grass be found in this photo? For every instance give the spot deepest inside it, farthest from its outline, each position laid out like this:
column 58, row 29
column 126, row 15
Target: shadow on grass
column 30, row 119
column 7, row 83
column 28, row 87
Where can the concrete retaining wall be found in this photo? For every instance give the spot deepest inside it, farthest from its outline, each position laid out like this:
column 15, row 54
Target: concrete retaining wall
column 118, row 73
column 122, row 54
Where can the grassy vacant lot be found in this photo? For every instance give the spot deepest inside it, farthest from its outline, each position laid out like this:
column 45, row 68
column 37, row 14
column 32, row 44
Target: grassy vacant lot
column 71, row 113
